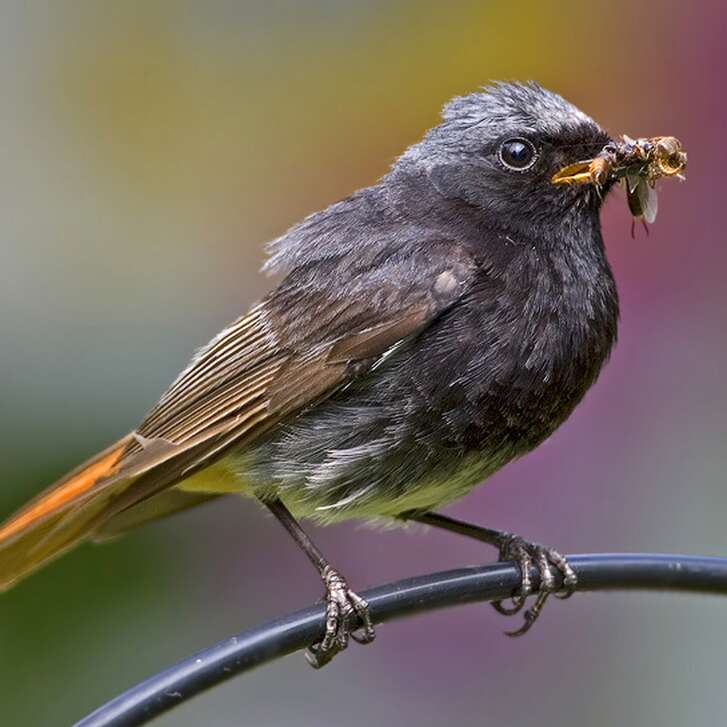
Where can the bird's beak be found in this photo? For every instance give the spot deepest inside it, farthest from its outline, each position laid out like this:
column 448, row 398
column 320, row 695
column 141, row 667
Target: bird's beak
column 585, row 172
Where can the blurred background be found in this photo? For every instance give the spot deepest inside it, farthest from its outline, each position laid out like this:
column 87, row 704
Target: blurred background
column 149, row 150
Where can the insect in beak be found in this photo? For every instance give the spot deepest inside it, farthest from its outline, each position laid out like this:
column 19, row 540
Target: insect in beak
column 638, row 163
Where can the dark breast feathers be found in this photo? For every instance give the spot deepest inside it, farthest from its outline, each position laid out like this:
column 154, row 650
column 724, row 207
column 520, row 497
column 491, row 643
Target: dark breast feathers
column 486, row 381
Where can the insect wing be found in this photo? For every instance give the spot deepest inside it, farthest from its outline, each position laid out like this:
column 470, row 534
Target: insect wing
column 649, row 200
column 641, row 198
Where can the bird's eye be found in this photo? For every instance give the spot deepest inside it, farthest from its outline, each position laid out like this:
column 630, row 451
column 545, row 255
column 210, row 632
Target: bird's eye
column 517, row 154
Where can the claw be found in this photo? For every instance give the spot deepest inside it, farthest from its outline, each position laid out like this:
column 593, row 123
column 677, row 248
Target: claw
column 530, row 616
column 570, row 580
column 518, row 604
column 344, row 609
column 524, row 553
column 361, row 608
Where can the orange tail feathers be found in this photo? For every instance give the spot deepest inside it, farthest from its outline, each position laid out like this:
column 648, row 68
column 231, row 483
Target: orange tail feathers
column 61, row 516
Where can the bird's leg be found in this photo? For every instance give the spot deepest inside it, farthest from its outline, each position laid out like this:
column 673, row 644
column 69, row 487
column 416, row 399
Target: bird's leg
column 345, row 610
column 524, row 553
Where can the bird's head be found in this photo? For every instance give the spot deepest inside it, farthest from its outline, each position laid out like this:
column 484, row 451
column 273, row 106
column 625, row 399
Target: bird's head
column 499, row 150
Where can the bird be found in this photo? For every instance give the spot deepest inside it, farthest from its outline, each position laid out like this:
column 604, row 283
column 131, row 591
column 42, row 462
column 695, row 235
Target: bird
column 426, row 331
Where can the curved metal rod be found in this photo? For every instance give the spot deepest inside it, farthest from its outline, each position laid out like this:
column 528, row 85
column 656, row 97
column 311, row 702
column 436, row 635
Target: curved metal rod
column 262, row 644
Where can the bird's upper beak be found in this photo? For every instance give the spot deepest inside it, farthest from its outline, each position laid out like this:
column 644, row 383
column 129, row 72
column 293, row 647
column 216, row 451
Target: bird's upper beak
column 578, row 173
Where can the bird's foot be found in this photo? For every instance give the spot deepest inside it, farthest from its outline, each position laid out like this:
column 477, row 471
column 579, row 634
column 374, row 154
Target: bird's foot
column 526, row 554
column 346, row 612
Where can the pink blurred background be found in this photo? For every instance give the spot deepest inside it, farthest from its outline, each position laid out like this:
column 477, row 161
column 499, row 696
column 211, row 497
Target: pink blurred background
column 149, row 151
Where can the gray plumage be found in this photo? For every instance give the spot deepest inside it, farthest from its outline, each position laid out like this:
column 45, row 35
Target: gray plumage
column 427, row 330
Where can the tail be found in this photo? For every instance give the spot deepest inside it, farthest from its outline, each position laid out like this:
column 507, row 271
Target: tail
column 112, row 492
column 62, row 515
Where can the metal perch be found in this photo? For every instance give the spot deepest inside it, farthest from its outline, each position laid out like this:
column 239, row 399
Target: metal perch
column 251, row 648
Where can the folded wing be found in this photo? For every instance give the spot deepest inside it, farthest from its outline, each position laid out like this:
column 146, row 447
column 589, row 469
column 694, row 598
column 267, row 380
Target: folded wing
column 307, row 339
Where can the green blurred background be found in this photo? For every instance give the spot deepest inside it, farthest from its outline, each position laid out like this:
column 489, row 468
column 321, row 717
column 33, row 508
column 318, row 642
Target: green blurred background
column 149, row 149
